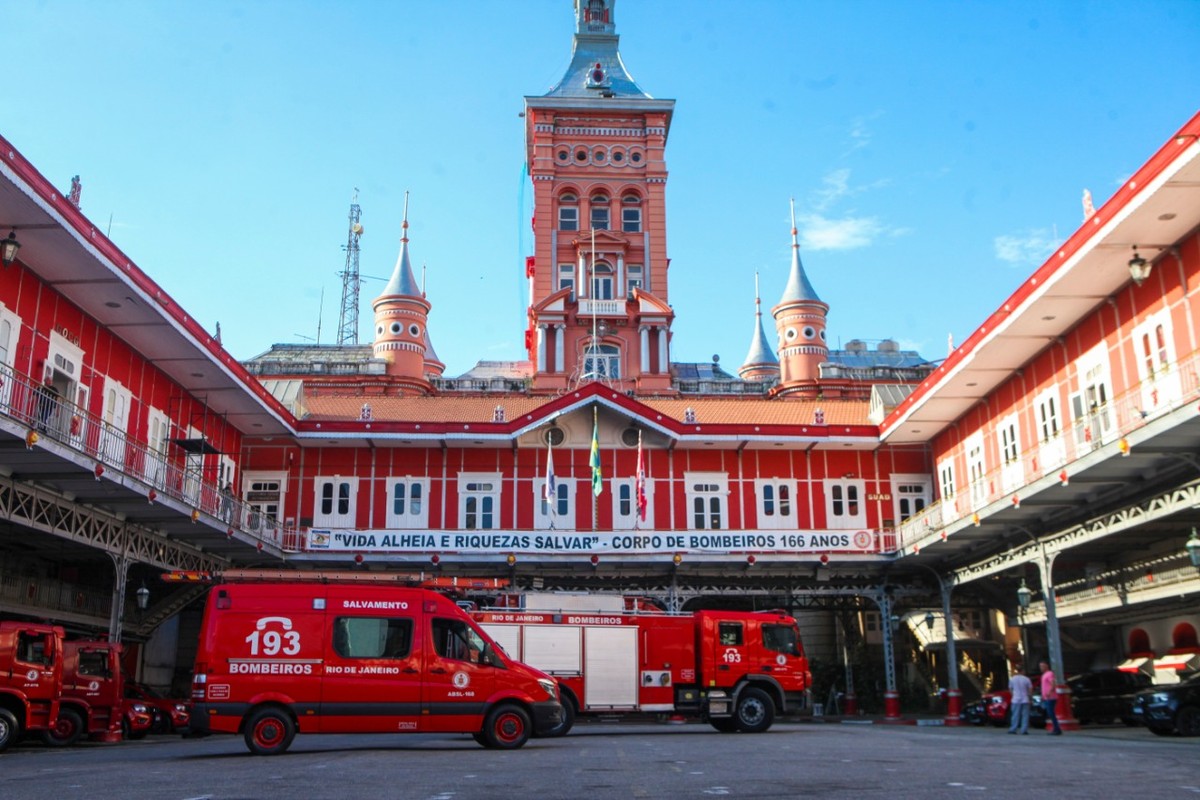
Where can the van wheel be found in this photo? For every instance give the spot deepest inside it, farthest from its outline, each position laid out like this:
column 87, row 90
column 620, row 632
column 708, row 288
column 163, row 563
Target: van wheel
column 506, row 727
column 566, row 722
column 269, row 732
column 724, row 724
column 10, row 729
column 66, row 731
column 755, row 711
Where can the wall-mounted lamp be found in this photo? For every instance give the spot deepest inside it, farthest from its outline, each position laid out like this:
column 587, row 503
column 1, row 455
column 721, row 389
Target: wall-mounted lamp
column 1193, row 549
column 143, row 598
column 929, row 620
column 1023, row 595
column 8, row 248
column 1139, row 268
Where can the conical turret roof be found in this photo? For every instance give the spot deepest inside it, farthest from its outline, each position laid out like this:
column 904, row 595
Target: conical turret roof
column 761, row 354
column 403, row 281
column 798, row 288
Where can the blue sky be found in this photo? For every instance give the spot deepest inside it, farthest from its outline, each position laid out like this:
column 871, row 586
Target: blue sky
column 937, row 151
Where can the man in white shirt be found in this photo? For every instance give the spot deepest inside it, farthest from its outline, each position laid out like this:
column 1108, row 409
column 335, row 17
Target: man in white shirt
column 1021, row 688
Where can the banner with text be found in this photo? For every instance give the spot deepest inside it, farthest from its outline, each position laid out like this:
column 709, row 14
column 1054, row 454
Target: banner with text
column 551, row 542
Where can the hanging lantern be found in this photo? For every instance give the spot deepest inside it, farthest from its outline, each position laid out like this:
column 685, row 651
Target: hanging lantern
column 151, row 496
column 195, row 515
column 99, row 471
column 31, row 438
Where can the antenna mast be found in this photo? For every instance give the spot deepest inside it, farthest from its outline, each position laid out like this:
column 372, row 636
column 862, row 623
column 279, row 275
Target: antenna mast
column 348, row 320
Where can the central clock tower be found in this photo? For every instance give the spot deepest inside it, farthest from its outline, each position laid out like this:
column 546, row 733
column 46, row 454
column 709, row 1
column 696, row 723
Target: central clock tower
column 595, row 147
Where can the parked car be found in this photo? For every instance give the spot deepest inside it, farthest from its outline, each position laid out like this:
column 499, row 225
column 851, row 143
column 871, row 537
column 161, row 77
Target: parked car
column 1170, row 709
column 136, row 720
column 1106, row 695
column 994, row 709
column 169, row 715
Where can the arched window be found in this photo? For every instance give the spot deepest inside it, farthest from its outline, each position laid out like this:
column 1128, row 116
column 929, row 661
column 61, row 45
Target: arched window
column 631, row 214
column 568, row 213
column 1183, row 638
column 600, row 212
column 602, row 282
column 602, row 361
column 1139, row 644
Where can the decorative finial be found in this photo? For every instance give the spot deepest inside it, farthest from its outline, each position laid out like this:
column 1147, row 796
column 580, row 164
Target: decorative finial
column 404, row 225
column 1088, row 208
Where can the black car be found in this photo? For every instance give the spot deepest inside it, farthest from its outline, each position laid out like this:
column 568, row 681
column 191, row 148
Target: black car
column 1171, row 709
column 1106, row 695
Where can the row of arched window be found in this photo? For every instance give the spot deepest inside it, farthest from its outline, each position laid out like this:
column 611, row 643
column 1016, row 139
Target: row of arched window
column 599, row 211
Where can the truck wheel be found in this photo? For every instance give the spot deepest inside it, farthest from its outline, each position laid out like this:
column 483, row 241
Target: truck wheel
column 66, row 731
column 506, row 727
column 10, row 729
column 724, row 724
column 565, row 723
column 755, row 711
column 1187, row 721
column 269, row 732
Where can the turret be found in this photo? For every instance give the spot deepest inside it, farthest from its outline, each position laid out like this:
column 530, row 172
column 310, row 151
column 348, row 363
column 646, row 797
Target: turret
column 761, row 363
column 800, row 323
column 401, row 316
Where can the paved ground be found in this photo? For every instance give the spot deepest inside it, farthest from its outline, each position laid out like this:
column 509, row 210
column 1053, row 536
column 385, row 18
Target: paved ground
column 606, row 760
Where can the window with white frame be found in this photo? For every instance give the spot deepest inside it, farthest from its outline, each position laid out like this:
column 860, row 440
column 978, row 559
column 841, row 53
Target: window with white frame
column 335, row 502
column 910, row 495
column 844, row 506
column 157, row 431
column 600, row 216
column 1008, row 441
column 10, row 330
column 1052, row 449
column 555, row 511
column 407, row 503
column 1153, row 342
column 705, row 494
column 479, row 501
column 625, row 511
column 568, row 213
column 1048, row 420
column 631, row 214
column 633, row 278
column 776, row 501
column 602, row 282
column 566, row 277
column 946, row 478
column 603, row 361
column 976, row 470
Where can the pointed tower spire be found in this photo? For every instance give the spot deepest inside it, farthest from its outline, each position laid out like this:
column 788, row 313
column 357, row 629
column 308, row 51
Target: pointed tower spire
column 761, row 363
column 401, row 319
column 800, row 322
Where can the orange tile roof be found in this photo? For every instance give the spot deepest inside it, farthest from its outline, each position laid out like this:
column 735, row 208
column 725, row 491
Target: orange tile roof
column 476, row 409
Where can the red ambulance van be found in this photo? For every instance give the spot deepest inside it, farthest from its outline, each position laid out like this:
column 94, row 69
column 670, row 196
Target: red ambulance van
column 284, row 657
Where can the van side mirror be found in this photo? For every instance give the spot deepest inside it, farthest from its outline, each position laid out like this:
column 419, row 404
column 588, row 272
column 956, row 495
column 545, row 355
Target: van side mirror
column 491, row 657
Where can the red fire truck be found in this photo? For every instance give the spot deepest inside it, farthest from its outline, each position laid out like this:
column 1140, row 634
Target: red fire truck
column 313, row 652
column 92, row 701
column 30, row 677
column 736, row 670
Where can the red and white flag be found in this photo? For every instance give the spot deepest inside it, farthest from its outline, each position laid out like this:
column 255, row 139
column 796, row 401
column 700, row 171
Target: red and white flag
column 641, row 481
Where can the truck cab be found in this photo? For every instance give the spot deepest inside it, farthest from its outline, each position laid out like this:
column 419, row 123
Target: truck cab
column 92, row 701
column 30, row 678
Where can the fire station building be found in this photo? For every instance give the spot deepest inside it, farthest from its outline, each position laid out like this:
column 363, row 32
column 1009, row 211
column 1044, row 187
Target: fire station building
column 1034, row 493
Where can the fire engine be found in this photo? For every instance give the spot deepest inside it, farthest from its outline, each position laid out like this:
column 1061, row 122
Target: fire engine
column 314, row 652
column 736, row 670
column 92, row 701
column 30, row 678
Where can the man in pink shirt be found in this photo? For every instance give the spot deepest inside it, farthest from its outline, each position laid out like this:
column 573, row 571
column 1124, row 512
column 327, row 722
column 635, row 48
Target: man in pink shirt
column 1050, row 697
